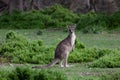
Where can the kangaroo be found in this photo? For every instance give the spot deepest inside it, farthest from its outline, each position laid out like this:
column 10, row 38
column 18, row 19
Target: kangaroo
column 63, row 49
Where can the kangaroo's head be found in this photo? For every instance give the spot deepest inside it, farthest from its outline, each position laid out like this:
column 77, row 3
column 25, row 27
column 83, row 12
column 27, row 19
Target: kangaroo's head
column 71, row 29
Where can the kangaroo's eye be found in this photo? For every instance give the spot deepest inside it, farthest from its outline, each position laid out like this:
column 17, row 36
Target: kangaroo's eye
column 70, row 30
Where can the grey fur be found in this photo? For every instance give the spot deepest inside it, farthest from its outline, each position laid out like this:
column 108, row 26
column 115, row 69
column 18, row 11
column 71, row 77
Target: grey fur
column 63, row 49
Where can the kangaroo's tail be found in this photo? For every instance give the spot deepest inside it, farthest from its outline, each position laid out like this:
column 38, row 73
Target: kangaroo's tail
column 54, row 61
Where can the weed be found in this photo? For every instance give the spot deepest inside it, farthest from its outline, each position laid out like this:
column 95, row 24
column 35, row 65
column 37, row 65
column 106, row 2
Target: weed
column 110, row 61
column 24, row 73
column 114, row 76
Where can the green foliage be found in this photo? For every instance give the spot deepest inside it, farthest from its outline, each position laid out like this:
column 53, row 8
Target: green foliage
column 61, row 16
column 95, row 23
column 55, row 16
column 93, row 29
column 24, row 73
column 114, row 21
column 20, row 74
column 79, row 45
column 92, row 22
column 18, row 49
column 58, row 16
column 108, row 61
column 115, row 76
column 49, row 75
column 2, row 76
column 87, row 55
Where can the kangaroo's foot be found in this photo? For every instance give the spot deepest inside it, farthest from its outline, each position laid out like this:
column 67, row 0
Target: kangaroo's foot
column 68, row 65
column 61, row 66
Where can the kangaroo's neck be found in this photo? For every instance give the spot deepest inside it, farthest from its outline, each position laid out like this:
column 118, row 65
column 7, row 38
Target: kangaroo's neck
column 72, row 38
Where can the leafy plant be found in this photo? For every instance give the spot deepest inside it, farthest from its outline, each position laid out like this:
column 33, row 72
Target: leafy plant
column 24, row 73
column 109, row 61
column 18, row 49
column 49, row 75
column 79, row 45
column 58, row 16
column 114, row 76
column 87, row 55
column 20, row 74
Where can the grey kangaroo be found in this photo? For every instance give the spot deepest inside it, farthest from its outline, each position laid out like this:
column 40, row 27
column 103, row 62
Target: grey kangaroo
column 63, row 49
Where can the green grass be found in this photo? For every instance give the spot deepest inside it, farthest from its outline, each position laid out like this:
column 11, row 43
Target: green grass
column 53, row 36
column 77, row 72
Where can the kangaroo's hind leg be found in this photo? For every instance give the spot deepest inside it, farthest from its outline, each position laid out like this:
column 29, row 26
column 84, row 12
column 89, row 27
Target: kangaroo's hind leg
column 60, row 63
column 65, row 59
column 65, row 63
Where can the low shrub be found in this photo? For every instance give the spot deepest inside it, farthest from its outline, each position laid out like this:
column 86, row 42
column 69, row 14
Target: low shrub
column 58, row 16
column 61, row 15
column 79, row 45
column 108, row 61
column 20, row 74
column 19, row 50
column 49, row 75
column 53, row 17
column 87, row 55
column 98, row 22
column 93, row 29
column 113, row 76
column 114, row 21
column 24, row 73
column 2, row 76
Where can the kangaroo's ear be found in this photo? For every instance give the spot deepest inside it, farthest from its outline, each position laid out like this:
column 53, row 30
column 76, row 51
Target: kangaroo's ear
column 75, row 25
column 68, row 27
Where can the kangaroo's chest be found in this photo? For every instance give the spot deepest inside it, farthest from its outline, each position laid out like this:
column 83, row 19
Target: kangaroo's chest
column 73, row 37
